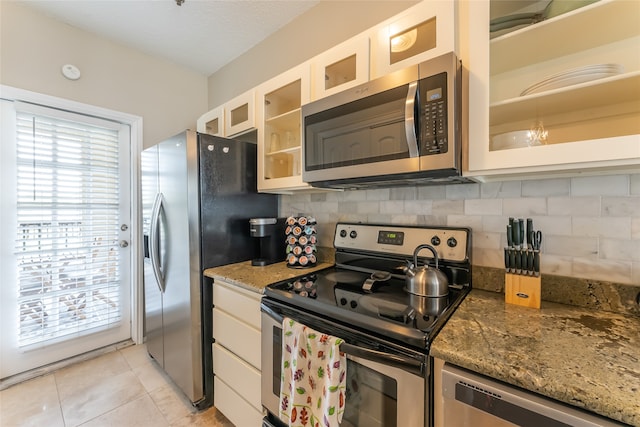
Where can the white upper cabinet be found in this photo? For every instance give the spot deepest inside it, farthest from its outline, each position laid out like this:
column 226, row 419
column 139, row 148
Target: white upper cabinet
column 280, row 132
column 239, row 114
column 212, row 122
column 557, row 96
column 341, row 67
column 421, row 32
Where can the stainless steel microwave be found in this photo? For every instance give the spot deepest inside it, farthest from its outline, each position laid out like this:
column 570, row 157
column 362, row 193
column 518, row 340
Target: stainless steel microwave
column 402, row 128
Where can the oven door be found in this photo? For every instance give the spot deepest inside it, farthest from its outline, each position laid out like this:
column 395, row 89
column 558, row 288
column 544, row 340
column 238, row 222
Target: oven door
column 386, row 384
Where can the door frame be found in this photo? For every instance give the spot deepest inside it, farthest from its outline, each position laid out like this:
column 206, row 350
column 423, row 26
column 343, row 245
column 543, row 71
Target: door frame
column 135, row 124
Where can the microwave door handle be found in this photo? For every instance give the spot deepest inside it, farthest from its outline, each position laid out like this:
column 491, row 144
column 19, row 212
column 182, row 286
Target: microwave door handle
column 410, row 119
column 405, row 363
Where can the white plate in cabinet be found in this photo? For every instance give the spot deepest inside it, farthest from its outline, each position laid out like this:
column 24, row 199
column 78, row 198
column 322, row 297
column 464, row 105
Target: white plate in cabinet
column 341, row 67
column 424, row 31
column 590, row 126
column 212, row 122
column 242, row 377
column 592, row 26
column 239, row 114
column 280, row 132
column 234, row 407
column 238, row 302
column 237, row 336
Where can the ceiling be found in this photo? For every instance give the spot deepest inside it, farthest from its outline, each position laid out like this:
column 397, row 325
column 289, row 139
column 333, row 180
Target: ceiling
column 202, row 35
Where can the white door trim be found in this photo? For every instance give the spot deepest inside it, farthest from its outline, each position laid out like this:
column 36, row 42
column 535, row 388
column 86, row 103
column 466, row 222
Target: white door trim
column 135, row 124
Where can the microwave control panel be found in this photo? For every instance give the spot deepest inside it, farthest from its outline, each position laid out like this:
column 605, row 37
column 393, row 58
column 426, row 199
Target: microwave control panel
column 433, row 115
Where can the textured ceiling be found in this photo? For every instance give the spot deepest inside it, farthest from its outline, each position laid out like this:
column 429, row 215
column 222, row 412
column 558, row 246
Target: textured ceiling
column 203, row 35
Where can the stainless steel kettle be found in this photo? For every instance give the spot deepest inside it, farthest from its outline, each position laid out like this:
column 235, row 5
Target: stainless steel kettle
column 424, row 280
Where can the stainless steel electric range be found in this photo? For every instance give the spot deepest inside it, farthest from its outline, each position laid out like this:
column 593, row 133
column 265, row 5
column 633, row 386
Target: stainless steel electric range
column 387, row 331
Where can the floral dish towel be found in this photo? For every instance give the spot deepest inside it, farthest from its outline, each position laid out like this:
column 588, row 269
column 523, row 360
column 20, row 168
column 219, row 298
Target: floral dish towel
column 313, row 380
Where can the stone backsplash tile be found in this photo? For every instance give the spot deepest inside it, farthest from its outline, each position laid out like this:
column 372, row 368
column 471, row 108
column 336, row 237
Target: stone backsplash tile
column 573, row 206
column 546, row 187
column 597, row 185
column 591, row 225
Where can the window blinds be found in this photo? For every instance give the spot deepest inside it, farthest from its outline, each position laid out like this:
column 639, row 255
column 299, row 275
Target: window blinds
column 67, row 232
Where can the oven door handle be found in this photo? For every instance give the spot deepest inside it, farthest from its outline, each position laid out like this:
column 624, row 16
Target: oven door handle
column 405, row 363
column 401, row 362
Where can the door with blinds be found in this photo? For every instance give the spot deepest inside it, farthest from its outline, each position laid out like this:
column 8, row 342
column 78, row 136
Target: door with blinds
column 65, row 232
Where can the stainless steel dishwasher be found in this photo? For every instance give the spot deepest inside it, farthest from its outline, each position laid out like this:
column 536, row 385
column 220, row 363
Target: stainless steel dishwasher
column 470, row 399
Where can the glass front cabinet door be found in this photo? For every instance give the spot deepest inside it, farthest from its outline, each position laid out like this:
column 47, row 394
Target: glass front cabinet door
column 280, row 133
column 423, row 31
column 554, row 87
column 239, row 114
column 341, row 67
column 212, row 122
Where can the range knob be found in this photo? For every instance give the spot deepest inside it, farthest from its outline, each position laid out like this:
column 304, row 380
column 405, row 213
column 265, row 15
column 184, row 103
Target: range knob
column 353, row 234
column 343, row 233
column 435, row 240
column 353, row 304
column 452, row 242
column 343, row 301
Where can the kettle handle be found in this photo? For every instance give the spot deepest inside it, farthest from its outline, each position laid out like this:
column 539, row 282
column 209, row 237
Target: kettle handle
column 421, row 247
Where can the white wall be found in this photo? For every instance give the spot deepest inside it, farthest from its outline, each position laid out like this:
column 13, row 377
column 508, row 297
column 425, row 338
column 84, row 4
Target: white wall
column 33, row 48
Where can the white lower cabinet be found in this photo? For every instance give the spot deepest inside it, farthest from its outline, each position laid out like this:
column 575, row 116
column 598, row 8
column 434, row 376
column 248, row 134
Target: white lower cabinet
column 234, row 407
column 236, row 354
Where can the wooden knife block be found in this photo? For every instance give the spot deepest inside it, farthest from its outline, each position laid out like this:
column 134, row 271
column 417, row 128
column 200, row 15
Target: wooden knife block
column 522, row 290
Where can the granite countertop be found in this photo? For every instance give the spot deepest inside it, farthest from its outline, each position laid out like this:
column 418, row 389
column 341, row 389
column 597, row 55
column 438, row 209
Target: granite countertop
column 586, row 358
column 253, row 278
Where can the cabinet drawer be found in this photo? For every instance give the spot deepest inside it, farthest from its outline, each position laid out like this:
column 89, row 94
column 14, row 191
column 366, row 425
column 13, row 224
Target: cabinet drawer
column 234, row 407
column 240, row 303
column 240, row 338
column 242, row 377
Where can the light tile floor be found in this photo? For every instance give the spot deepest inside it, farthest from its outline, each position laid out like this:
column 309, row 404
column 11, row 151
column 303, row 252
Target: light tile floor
column 123, row 388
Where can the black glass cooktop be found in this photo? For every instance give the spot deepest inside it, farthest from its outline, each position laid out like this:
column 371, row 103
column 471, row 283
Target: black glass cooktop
column 375, row 303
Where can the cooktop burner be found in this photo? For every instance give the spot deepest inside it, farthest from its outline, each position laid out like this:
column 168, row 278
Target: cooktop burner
column 366, row 288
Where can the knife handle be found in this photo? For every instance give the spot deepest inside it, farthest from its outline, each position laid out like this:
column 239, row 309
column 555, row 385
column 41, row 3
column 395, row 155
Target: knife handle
column 524, row 262
column 529, row 232
column 515, row 234
column 509, row 236
column 507, row 265
column 536, row 262
column 521, row 230
column 512, row 260
column 530, row 261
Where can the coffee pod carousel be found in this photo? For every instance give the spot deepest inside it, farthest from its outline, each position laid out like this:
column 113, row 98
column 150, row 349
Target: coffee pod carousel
column 301, row 241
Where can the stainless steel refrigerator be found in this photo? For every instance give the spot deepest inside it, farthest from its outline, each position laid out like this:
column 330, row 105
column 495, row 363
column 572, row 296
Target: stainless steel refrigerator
column 198, row 194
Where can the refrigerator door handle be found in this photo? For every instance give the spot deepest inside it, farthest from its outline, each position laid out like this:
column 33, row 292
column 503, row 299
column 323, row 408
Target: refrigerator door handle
column 154, row 248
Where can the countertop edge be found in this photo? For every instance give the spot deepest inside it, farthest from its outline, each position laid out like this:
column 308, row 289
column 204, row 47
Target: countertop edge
column 256, row 278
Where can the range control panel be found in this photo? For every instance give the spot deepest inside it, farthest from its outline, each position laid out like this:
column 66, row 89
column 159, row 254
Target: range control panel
column 452, row 244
